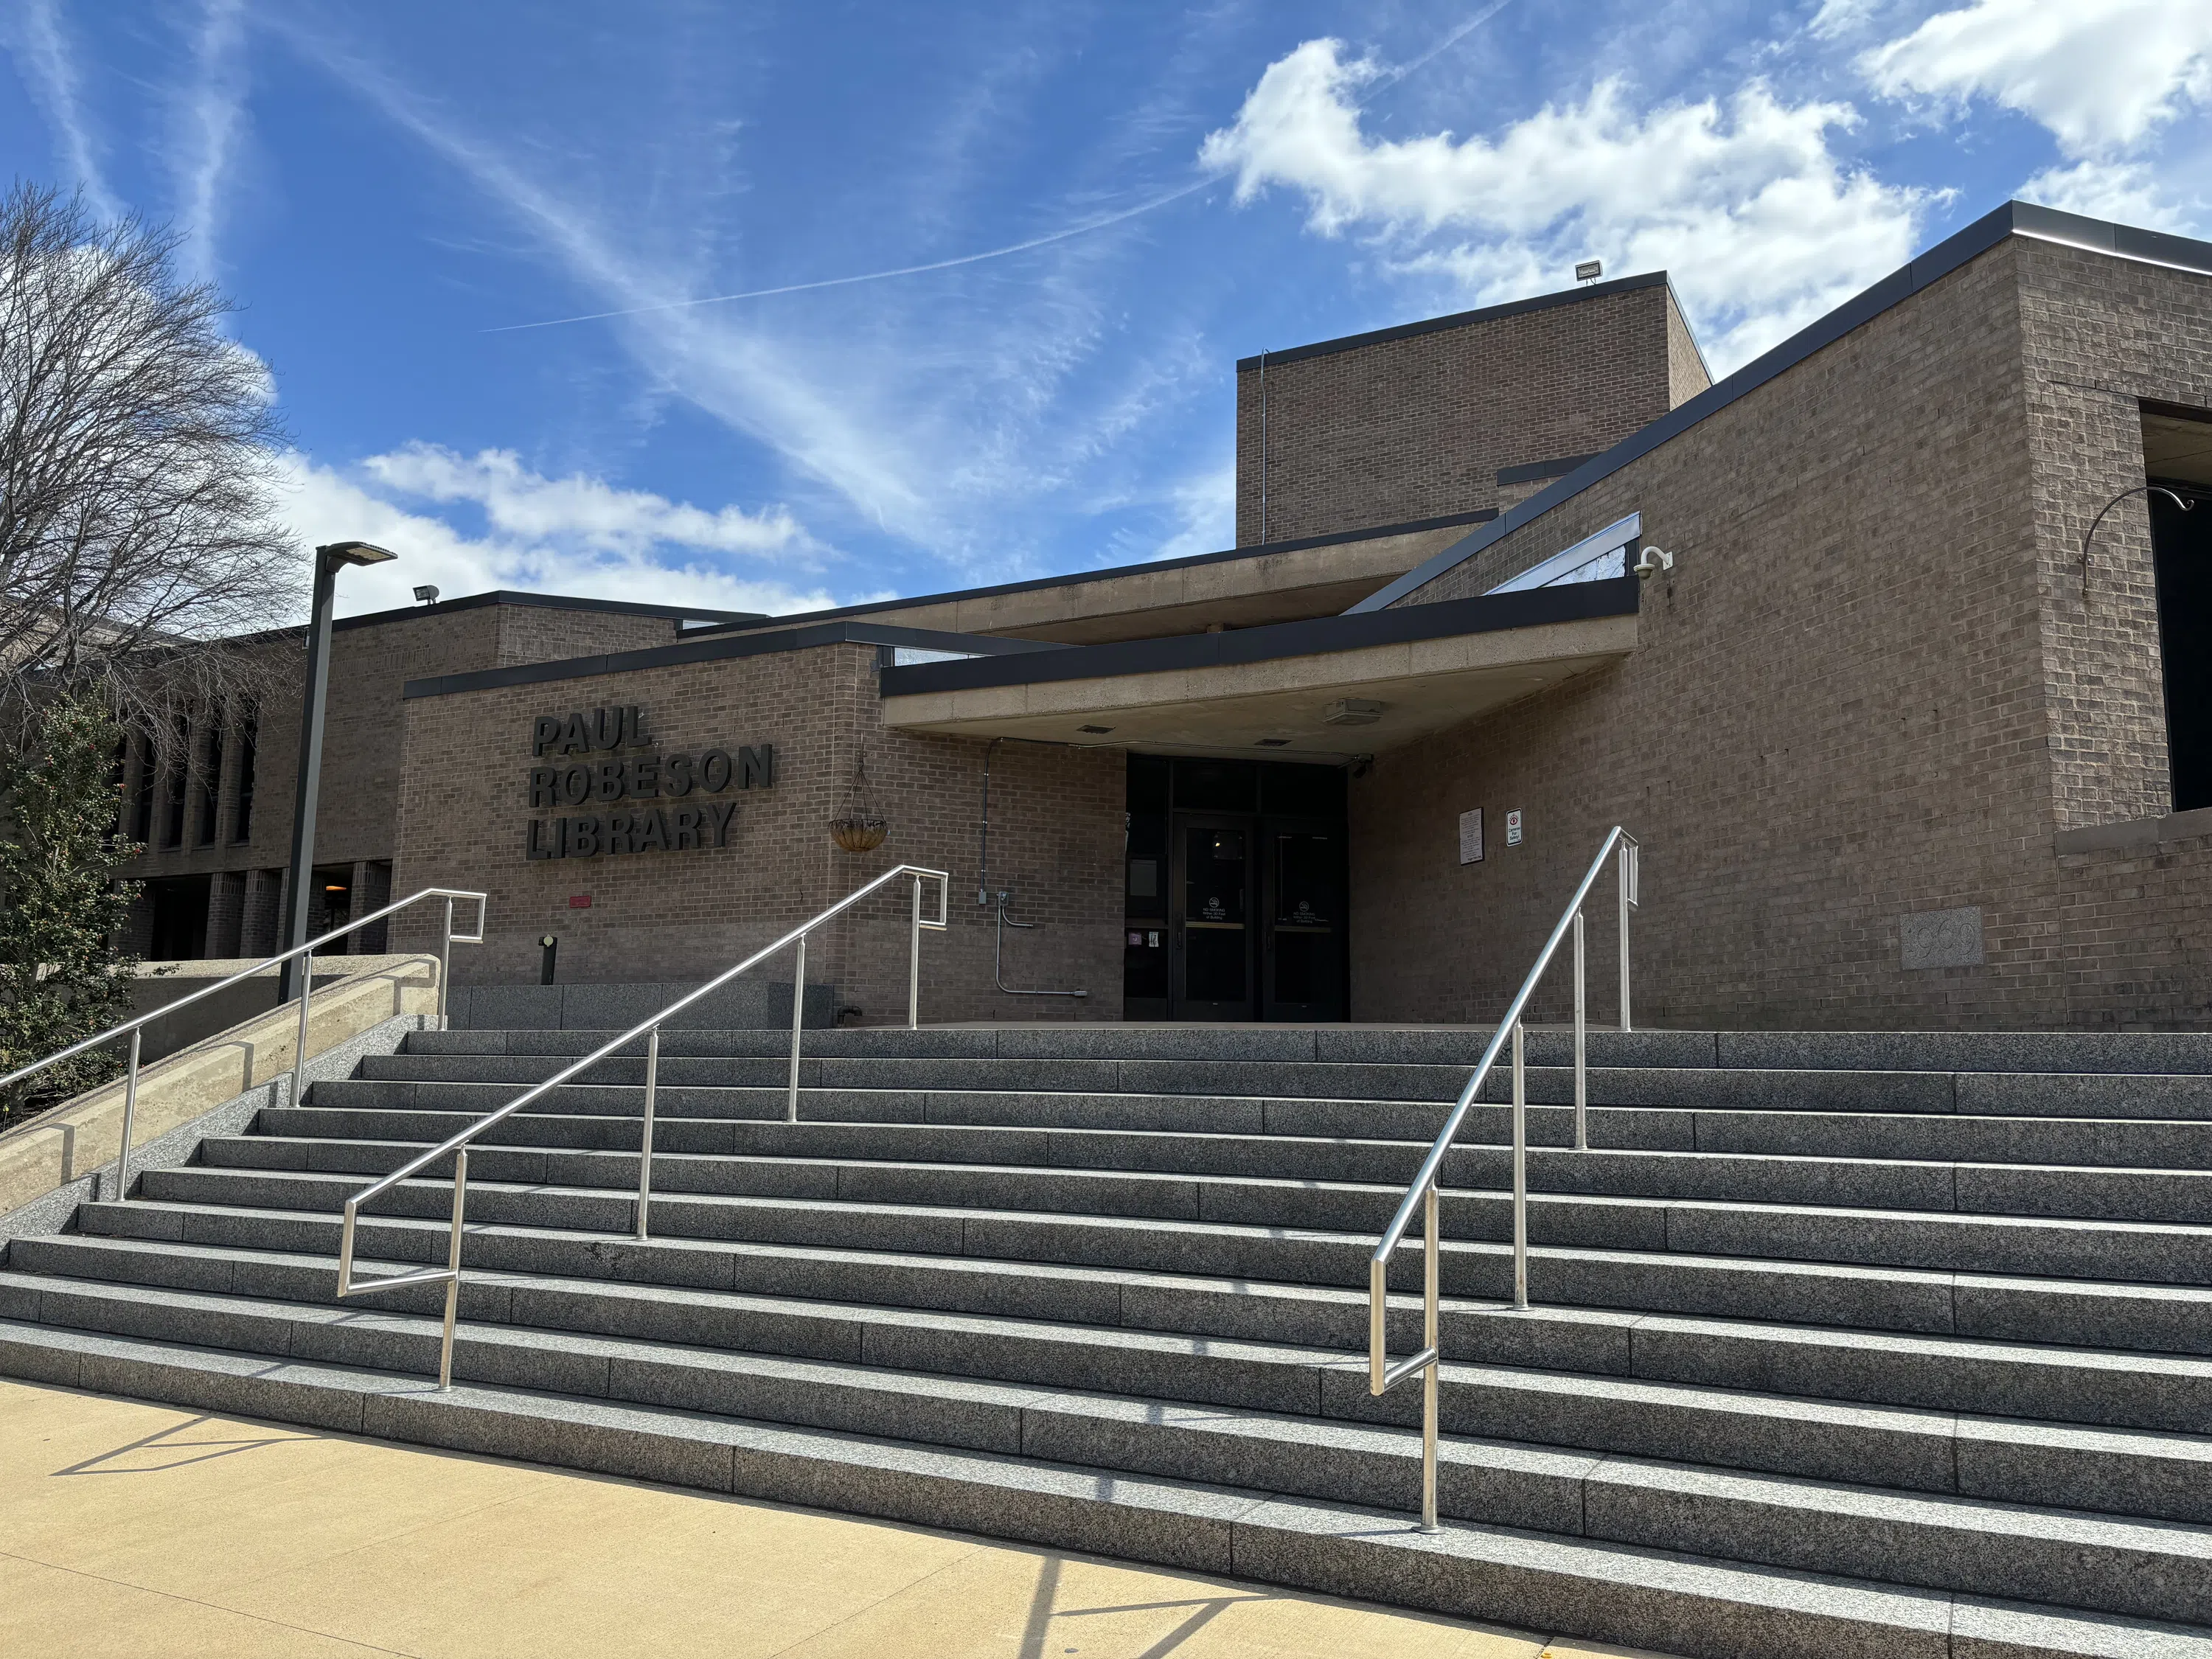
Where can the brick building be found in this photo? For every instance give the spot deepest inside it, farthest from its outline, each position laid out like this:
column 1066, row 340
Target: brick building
column 1900, row 752
column 213, row 804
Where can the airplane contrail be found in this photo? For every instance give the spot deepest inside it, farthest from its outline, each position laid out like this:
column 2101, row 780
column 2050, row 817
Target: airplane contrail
column 1089, row 225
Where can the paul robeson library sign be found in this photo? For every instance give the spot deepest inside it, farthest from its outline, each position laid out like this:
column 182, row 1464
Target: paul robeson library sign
column 566, row 780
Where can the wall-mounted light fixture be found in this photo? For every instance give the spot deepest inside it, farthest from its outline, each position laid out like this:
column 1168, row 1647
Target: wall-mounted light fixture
column 1353, row 711
column 427, row 593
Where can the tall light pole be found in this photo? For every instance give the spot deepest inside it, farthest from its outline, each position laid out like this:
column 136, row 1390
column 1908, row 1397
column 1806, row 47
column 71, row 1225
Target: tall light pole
column 328, row 559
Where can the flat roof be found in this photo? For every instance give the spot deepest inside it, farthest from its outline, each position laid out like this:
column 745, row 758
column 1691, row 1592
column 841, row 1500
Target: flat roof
column 503, row 596
column 1570, row 296
column 2013, row 219
column 551, row 601
column 767, row 642
column 1570, row 602
column 1259, row 549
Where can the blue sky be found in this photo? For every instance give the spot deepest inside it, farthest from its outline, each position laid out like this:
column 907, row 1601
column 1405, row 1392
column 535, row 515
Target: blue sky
column 409, row 200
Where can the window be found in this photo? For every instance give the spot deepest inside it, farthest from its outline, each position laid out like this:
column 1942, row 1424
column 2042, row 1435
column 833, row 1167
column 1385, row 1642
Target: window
column 210, row 781
column 2178, row 458
column 180, row 767
column 1593, row 559
column 142, row 806
column 249, row 736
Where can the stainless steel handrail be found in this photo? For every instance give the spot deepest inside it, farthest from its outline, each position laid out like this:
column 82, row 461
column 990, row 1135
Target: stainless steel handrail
column 457, row 1146
column 1381, row 1374
column 136, row 1027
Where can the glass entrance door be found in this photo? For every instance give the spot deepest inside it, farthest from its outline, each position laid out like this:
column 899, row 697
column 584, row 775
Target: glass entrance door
column 1302, row 954
column 1212, row 921
column 1235, row 890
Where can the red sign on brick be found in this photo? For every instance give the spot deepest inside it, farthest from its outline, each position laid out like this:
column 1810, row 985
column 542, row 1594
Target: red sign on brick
column 579, row 901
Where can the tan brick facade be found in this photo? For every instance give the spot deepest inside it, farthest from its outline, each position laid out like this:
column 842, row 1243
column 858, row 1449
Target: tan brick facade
column 1872, row 728
column 1056, row 839
column 1870, row 689
column 357, row 816
column 1417, row 425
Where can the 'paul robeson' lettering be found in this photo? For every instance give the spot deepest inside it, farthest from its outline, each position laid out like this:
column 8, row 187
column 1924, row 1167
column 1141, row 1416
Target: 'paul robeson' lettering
column 580, row 735
column 565, row 782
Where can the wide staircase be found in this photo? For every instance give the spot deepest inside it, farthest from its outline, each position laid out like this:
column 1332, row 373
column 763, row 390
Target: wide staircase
column 1893, row 1345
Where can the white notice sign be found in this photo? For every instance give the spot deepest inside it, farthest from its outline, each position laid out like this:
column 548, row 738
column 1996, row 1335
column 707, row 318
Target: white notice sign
column 1513, row 828
column 1470, row 836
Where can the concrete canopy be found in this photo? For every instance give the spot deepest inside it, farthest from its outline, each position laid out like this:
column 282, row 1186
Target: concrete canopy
column 1275, row 706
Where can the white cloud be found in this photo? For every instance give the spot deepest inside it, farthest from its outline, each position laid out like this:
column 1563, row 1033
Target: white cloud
column 1838, row 18
column 1761, row 226
column 209, row 113
column 2099, row 74
column 2126, row 193
column 49, row 68
column 589, row 511
column 615, row 545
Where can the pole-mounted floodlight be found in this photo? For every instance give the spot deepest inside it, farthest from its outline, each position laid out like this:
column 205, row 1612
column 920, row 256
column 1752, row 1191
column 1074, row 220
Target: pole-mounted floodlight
column 2142, row 490
column 329, row 558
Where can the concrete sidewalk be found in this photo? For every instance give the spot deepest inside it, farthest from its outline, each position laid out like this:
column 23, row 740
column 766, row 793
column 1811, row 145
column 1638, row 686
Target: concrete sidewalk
column 146, row 1532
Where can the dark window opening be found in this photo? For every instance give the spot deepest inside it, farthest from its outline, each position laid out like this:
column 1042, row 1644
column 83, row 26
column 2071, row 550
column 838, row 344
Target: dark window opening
column 330, row 905
column 241, row 820
column 210, row 782
column 180, row 908
column 142, row 806
column 2178, row 456
column 179, row 769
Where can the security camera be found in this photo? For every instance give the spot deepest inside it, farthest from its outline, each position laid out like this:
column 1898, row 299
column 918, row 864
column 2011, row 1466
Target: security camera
column 1655, row 559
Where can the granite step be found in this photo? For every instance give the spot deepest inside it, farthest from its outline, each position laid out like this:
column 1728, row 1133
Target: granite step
column 2154, row 1570
column 549, row 1189
column 346, row 1138
column 1705, row 1608
column 2082, row 1142
column 2007, row 1094
column 2177, row 1053
column 2137, row 1473
column 1915, row 1317
column 2017, row 1368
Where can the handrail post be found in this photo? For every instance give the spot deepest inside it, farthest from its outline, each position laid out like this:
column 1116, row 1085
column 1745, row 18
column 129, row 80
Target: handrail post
column 446, row 961
column 798, row 1018
column 913, row 964
column 1432, row 1248
column 1520, row 1170
column 300, row 1051
column 130, row 1109
column 1581, row 1044
column 345, row 1245
column 1628, row 873
column 453, row 1265
column 645, row 1138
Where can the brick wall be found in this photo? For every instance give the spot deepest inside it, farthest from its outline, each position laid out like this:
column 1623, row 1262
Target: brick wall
column 1056, row 839
column 1870, row 690
column 357, row 813
column 1389, row 431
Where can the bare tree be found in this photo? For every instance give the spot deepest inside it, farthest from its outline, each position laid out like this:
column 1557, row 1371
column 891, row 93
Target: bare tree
column 138, row 450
